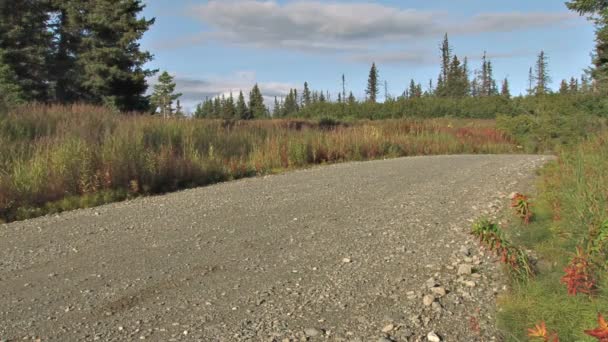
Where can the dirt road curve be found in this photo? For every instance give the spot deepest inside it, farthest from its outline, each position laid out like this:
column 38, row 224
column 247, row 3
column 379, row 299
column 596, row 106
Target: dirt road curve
column 352, row 252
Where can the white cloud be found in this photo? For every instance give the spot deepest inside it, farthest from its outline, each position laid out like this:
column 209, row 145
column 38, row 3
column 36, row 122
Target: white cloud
column 331, row 26
column 196, row 90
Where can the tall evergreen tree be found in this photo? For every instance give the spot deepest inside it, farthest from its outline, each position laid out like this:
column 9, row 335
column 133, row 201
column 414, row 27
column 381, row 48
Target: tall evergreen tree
column 229, row 108
column 372, row 84
column 25, row 46
column 164, row 95
column 256, row 103
column 351, row 99
column 505, row 90
column 277, row 110
column 446, row 58
column 530, row 89
column 10, row 92
column 343, row 87
column 541, row 75
column 242, row 112
column 111, row 60
column 306, row 96
column 597, row 10
column 573, row 85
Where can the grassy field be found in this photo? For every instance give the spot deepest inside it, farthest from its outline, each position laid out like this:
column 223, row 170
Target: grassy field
column 571, row 212
column 60, row 158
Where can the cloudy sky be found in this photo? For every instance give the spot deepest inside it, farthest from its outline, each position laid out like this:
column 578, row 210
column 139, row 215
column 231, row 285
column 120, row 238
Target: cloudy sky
column 214, row 47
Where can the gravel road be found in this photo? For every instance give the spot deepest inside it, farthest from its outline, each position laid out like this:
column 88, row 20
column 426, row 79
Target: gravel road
column 373, row 251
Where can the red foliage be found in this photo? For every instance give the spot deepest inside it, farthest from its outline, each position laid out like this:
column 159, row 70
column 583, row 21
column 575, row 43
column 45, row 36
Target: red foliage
column 521, row 204
column 539, row 333
column 579, row 278
column 601, row 332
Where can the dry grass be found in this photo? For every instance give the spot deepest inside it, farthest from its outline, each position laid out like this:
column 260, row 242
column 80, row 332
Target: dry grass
column 58, row 158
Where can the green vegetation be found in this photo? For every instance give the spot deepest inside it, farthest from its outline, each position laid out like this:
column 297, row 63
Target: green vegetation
column 58, row 158
column 571, row 211
column 67, row 51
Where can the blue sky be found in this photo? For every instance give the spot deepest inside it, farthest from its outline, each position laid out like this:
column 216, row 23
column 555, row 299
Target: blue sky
column 214, row 47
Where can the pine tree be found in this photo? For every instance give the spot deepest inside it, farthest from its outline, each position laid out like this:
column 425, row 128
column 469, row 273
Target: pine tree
column 573, row 86
column 505, row 90
column 541, row 75
column 164, row 95
column 372, row 84
column 351, row 99
column 256, row 103
column 68, row 28
column 10, row 92
column 530, row 89
column 598, row 12
column 431, row 90
column 229, row 108
column 242, row 112
column 322, row 98
column 343, row 87
column 277, row 111
column 110, row 58
column 290, row 105
column 306, row 97
column 446, row 58
column 179, row 110
column 411, row 91
column 217, row 108
column 204, row 110
column 25, row 45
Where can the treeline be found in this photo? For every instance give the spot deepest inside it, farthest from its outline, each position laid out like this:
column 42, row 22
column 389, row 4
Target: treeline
column 67, row 51
column 458, row 91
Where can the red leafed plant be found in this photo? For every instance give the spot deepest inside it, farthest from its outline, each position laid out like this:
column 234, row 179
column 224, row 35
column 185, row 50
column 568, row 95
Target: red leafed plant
column 539, row 333
column 521, row 204
column 601, row 332
column 579, row 278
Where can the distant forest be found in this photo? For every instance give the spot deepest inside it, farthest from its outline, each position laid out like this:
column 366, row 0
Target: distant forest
column 72, row 51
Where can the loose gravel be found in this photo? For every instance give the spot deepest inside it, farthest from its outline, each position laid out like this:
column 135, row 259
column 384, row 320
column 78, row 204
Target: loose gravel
column 372, row 251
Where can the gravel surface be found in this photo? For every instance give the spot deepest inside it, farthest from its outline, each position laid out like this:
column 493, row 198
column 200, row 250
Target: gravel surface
column 374, row 251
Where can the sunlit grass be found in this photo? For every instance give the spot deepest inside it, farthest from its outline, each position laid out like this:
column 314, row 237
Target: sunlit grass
column 571, row 206
column 57, row 158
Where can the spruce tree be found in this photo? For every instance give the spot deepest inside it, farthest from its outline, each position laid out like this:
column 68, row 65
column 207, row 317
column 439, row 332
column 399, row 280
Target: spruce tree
column 573, row 85
column 411, row 91
column 257, row 108
column 541, row 75
column 372, row 84
column 164, row 95
column 597, row 10
column 505, row 90
column 306, row 96
column 446, row 58
column 530, row 89
column 351, row 99
column 179, row 110
column 277, row 110
column 25, row 46
column 110, row 58
column 242, row 112
column 10, row 91
column 229, row 109
column 322, row 98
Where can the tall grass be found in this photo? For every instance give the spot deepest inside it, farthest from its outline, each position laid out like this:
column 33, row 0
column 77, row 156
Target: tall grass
column 57, row 158
column 572, row 210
